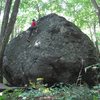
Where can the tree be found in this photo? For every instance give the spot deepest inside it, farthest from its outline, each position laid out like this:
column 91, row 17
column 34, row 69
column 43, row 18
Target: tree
column 6, row 17
column 1, row 5
column 7, row 28
column 97, row 8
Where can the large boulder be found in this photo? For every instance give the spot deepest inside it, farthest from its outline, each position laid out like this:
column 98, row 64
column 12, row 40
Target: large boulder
column 57, row 53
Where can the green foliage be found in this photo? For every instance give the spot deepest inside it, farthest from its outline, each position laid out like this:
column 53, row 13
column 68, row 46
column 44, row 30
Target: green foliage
column 70, row 92
column 11, row 95
column 81, row 12
column 96, row 92
column 2, row 97
column 98, row 37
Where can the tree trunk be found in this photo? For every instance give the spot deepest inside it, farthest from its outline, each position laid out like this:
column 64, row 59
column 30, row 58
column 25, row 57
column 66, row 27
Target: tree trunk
column 96, row 42
column 5, row 17
column 38, row 10
column 97, row 8
column 5, row 38
column 0, row 7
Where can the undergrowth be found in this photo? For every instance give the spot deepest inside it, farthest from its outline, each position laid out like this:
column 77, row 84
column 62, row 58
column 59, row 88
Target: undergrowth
column 71, row 92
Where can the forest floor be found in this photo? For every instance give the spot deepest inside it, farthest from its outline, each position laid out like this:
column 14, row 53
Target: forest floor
column 60, row 92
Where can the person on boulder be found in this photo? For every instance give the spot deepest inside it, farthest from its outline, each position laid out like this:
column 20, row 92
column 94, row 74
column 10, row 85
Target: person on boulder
column 32, row 28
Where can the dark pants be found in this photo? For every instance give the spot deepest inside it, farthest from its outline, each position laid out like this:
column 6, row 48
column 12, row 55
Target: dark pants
column 31, row 29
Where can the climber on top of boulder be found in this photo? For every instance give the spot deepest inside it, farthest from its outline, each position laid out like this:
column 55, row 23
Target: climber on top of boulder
column 32, row 28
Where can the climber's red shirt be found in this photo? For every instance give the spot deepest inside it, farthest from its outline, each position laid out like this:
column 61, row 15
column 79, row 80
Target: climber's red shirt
column 33, row 23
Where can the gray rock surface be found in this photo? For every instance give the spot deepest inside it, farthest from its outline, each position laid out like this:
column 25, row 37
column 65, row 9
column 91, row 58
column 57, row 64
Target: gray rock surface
column 56, row 52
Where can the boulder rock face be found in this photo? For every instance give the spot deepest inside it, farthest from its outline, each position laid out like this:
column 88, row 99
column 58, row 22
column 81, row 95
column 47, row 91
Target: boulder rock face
column 57, row 52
